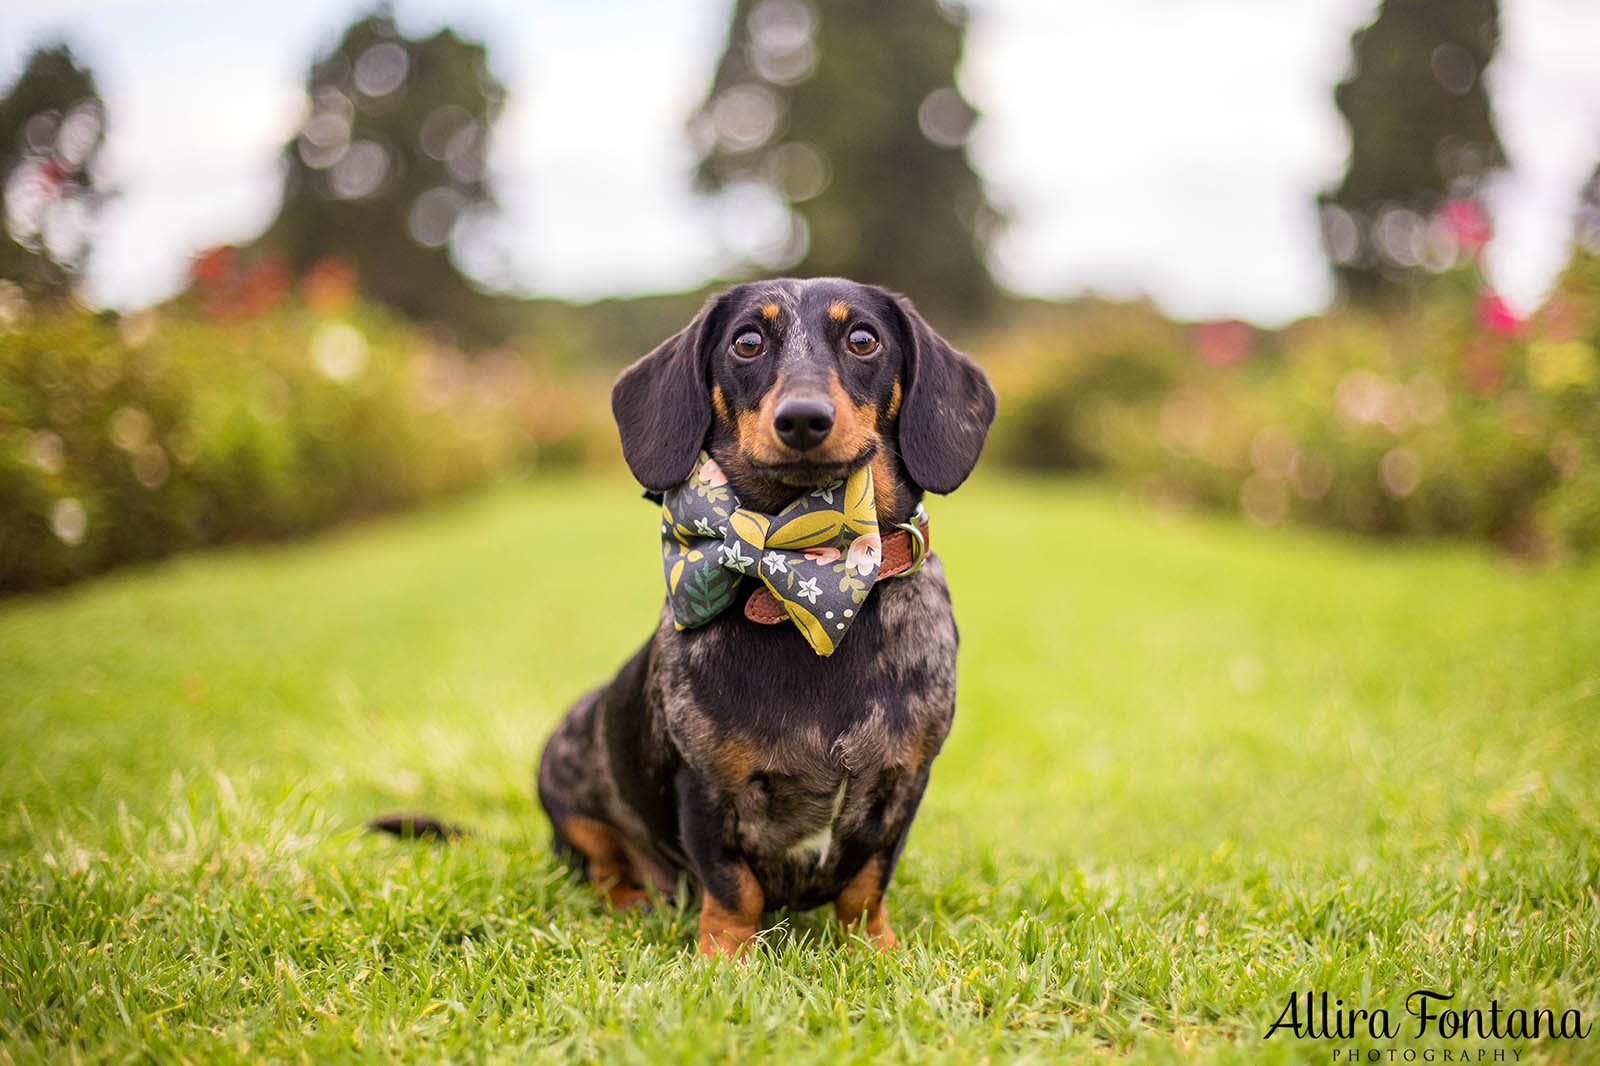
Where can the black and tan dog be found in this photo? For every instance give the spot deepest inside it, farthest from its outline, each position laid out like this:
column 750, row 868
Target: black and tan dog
column 775, row 776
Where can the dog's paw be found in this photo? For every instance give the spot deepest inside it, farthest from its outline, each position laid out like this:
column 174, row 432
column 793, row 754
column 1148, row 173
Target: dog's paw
column 725, row 945
column 629, row 897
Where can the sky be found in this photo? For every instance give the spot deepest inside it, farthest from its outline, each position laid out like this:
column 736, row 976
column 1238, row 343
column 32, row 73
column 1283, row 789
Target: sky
column 1172, row 148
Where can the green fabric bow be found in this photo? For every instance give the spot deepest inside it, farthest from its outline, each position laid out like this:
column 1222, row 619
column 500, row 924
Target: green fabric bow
column 819, row 555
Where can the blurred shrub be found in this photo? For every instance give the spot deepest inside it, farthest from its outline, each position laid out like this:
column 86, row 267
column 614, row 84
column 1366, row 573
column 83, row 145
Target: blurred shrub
column 127, row 439
column 1451, row 417
column 1065, row 372
column 131, row 439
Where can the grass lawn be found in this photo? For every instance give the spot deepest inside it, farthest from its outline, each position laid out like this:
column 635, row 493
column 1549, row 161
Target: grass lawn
column 1196, row 768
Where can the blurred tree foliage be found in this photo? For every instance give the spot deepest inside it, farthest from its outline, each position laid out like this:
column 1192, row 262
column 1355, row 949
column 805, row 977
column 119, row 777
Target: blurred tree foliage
column 848, row 110
column 1586, row 227
column 1420, row 132
column 387, row 173
column 52, row 125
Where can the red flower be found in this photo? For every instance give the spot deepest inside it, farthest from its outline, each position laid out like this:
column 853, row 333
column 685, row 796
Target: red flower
column 329, row 285
column 263, row 285
column 1495, row 316
column 213, row 264
column 55, row 173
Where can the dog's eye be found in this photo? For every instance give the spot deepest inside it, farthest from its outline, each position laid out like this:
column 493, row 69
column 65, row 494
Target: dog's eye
column 862, row 342
column 747, row 345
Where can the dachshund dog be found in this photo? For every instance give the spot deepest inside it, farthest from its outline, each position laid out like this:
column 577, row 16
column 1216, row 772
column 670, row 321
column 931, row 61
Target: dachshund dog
column 775, row 775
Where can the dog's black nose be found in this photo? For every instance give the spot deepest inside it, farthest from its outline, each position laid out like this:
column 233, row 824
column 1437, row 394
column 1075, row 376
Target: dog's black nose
column 803, row 422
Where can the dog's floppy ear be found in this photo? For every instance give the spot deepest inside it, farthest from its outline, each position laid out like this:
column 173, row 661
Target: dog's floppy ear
column 662, row 406
column 948, row 407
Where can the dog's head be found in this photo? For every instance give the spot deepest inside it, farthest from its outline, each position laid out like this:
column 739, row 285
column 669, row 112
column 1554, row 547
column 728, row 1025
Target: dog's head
column 797, row 383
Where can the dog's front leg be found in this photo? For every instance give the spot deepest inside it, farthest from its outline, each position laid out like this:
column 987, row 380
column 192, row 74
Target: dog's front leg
column 730, row 911
column 861, row 905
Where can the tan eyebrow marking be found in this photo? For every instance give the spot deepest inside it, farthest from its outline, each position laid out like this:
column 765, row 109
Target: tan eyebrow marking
column 769, row 310
column 838, row 310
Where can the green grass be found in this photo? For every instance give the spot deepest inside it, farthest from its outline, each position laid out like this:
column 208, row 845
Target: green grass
column 1196, row 767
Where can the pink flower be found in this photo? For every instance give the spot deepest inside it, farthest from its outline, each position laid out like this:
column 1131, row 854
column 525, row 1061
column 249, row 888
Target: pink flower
column 1223, row 343
column 1467, row 221
column 712, row 474
column 1495, row 316
column 822, row 555
column 865, row 553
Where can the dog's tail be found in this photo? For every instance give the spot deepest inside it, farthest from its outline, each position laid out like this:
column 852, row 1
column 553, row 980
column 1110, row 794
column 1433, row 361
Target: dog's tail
column 414, row 826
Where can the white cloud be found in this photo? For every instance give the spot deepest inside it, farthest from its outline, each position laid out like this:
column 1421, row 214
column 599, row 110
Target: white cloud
column 1545, row 84
column 1171, row 148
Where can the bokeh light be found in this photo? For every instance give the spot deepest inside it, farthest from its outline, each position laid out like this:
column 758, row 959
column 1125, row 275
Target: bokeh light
column 745, row 116
column 360, row 170
column 339, row 350
column 946, row 118
column 381, row 69
column 782, row 51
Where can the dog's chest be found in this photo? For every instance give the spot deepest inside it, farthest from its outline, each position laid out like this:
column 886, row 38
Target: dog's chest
column 809, row 756
column 799, row 809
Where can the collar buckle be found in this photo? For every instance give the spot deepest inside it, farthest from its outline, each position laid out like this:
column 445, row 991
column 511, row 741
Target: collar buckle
column 919, row 550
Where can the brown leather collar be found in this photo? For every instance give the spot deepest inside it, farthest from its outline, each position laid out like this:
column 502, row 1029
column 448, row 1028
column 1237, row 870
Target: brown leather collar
column 900, row 553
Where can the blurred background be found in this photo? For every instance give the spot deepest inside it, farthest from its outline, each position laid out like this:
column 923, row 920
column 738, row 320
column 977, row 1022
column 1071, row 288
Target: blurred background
column 268, row 267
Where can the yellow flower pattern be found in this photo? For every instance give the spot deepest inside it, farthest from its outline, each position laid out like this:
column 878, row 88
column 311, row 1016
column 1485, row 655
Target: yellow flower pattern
column 808, row 554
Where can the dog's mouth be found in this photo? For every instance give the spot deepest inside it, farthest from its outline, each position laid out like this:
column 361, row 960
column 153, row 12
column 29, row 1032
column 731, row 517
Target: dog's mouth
column 809, row 473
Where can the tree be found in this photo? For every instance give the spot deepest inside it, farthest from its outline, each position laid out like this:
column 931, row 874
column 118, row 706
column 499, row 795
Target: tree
column 1586, row 227
column 1421, row 134
column 52, row 126
column 848, row 111
column 387, row 171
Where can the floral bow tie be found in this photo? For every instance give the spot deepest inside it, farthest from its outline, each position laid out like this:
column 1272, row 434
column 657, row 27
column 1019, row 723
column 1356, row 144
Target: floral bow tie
column 819, row 556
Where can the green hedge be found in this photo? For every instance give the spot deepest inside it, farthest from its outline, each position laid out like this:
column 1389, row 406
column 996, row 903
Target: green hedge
column 130, row 439
column 1448, row 417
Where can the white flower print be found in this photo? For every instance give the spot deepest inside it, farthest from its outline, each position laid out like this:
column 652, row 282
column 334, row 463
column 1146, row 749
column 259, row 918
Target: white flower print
column 734, row 559
column 775, row 563
column 809, row 589
column 826, row 491
column 702, row 527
